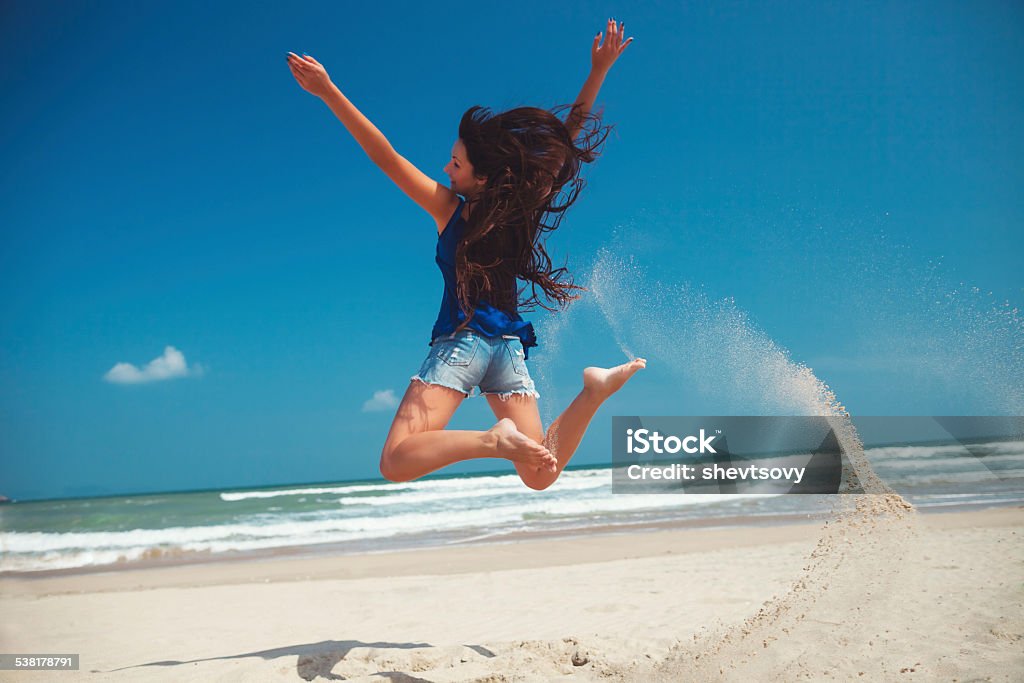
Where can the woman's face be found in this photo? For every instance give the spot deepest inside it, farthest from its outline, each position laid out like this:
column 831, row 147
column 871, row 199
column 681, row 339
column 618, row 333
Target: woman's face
column 460, row 172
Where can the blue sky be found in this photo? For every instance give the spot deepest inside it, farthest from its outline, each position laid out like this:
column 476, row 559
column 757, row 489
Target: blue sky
column 845, row 176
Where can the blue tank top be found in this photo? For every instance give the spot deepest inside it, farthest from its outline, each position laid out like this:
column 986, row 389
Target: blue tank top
column 487, row 320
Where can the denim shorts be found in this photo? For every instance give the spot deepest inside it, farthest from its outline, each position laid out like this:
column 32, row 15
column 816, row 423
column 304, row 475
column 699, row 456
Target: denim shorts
column 468, row 359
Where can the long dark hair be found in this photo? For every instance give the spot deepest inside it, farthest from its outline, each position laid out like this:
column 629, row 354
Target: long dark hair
column 532, row 164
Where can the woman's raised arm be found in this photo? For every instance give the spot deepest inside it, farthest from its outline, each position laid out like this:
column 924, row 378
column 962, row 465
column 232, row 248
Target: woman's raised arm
column 601, row 59
column 436, row 199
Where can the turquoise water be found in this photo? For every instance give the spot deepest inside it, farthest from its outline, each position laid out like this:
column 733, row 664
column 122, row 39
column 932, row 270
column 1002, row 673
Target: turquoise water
column 360, row 516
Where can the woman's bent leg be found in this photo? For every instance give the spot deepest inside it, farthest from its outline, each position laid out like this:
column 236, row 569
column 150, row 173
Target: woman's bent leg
column 562, row 438
column 565, row 433
column 419, row 444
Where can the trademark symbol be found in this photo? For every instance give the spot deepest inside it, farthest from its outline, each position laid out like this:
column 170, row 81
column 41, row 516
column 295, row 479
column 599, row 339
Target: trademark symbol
column 718, row 431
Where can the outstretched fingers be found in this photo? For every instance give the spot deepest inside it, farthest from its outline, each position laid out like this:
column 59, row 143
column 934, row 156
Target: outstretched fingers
column 614, row 44
column 625, row 45
column 616, row 33
column 297, row 62
column 293, row 64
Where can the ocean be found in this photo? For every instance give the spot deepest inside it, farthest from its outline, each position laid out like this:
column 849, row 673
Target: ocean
column 109, row 533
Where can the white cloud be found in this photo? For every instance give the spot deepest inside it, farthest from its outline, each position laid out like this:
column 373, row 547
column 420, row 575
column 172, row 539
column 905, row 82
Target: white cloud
column 168, row 366
column 382, row 400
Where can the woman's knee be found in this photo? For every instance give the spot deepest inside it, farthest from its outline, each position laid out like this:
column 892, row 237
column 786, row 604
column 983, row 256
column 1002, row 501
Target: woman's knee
column 538, row 481
column 393, row 474
column 388, row 467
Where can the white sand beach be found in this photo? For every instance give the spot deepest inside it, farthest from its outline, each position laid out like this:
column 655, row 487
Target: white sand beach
column 884, row 593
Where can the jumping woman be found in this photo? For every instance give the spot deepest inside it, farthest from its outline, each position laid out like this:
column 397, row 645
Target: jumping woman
column 506, row 173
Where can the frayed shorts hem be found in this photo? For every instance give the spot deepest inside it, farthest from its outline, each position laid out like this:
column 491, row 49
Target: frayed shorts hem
column 439, row 384
column 506, row 395
column 477, row 365
column 503, row 395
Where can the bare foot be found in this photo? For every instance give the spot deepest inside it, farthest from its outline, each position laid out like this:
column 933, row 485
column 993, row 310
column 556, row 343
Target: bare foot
column 603, row 382
column 513, row 445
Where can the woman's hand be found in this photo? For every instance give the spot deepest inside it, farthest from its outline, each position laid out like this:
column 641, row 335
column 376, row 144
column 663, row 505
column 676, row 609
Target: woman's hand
column 603, row 56
column 310, row 74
